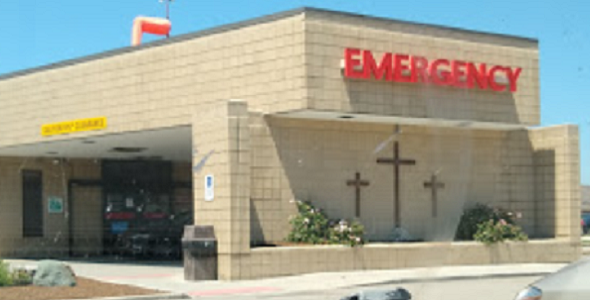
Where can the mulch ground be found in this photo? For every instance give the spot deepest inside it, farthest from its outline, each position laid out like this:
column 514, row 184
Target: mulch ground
column 85, row 289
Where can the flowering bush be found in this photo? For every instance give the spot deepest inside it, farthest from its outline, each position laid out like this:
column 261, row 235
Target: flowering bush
column 490, row 232
column 344, row 234
column 477, row 215
column 312, row 226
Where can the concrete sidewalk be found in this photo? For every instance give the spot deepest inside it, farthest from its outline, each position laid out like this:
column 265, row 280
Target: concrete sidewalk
column 170, row 277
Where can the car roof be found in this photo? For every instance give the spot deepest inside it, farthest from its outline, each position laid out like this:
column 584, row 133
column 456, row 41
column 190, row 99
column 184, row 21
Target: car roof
column 380, row 295
column 573, row 276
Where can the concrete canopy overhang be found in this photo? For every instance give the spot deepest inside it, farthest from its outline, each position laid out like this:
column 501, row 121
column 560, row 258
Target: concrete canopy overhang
column 174, row 144
column 394, row 120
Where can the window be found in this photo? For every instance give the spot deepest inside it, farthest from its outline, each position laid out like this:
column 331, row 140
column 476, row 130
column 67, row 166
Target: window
column 32, row 204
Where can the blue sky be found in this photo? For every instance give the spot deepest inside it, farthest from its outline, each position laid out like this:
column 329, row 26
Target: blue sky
column 36, row 32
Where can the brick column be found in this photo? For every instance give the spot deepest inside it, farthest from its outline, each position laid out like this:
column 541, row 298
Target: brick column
column 221, row 147
column 557, row 176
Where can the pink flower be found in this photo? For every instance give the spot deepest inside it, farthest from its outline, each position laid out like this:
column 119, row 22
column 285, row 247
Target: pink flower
column 503, row 222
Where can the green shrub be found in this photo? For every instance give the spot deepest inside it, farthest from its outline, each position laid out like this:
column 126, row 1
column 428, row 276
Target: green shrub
column 312, row 226
column 491, row 232
column 479, row 214
column 5, row 276
column 344, row 234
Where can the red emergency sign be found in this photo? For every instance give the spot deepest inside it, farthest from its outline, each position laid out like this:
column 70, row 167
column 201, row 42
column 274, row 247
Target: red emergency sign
column 361, row 64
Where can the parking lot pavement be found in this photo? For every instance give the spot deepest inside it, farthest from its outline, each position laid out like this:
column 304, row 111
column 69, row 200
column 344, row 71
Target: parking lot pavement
column 463, row 289
column 424, row 283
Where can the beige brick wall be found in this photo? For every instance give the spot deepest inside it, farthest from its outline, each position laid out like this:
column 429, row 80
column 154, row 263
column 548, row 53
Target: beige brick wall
column 158, row 86
column 86, row 211
column 221, row 139
column 557, row 178
column 279, row 65
column 271, row 262
column 327, row 35
column 312, row 160
column 55, row 181
column 271, row 192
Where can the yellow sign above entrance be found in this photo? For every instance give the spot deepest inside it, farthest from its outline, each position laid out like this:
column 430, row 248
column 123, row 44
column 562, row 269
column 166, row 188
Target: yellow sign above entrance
column 74, row 126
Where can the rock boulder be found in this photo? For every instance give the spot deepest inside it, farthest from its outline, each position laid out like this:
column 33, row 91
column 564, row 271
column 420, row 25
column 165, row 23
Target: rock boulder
column 54, row 273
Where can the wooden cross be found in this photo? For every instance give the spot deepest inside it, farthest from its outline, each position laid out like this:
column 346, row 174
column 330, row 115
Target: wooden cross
column 434, row 185
column 396, row 161
column 358, row 184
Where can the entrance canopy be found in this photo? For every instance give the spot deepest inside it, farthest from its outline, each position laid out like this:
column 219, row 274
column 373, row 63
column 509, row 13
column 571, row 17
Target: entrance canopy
column 173, row 144
column 379, row 119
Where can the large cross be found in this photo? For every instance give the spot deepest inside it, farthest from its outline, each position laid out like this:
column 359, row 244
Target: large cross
column 396, row 161
column 434, row 184
column 357, row 183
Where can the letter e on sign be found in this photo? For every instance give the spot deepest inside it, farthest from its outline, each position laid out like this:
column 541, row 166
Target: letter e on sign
column 209, row 188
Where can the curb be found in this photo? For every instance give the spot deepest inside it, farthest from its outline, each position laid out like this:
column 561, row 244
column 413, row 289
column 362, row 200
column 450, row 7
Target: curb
column 169, row 296
column 453, row 278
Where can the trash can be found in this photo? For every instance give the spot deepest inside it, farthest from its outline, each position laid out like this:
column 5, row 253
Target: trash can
column 199, row 248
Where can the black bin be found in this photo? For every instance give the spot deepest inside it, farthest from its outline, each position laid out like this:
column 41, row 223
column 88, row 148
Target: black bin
column 199, row 248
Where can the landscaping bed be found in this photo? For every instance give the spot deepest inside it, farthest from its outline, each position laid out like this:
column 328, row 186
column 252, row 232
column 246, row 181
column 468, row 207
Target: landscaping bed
column 311, row 226
column 84, row 289
column 292, row 244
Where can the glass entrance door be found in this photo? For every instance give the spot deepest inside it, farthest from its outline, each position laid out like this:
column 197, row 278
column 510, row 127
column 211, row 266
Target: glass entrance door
column 137, row 207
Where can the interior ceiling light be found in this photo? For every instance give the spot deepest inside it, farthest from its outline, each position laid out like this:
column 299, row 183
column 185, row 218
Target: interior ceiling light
column 128, row 149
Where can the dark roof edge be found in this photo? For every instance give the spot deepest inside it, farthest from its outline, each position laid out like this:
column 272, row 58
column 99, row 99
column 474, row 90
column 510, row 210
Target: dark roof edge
column 233, row 26
column 384, row 19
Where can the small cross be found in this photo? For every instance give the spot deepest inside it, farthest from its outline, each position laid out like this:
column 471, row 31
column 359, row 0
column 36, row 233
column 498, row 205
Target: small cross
column 358, row 184
column 396, row 161
column 434, row 185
